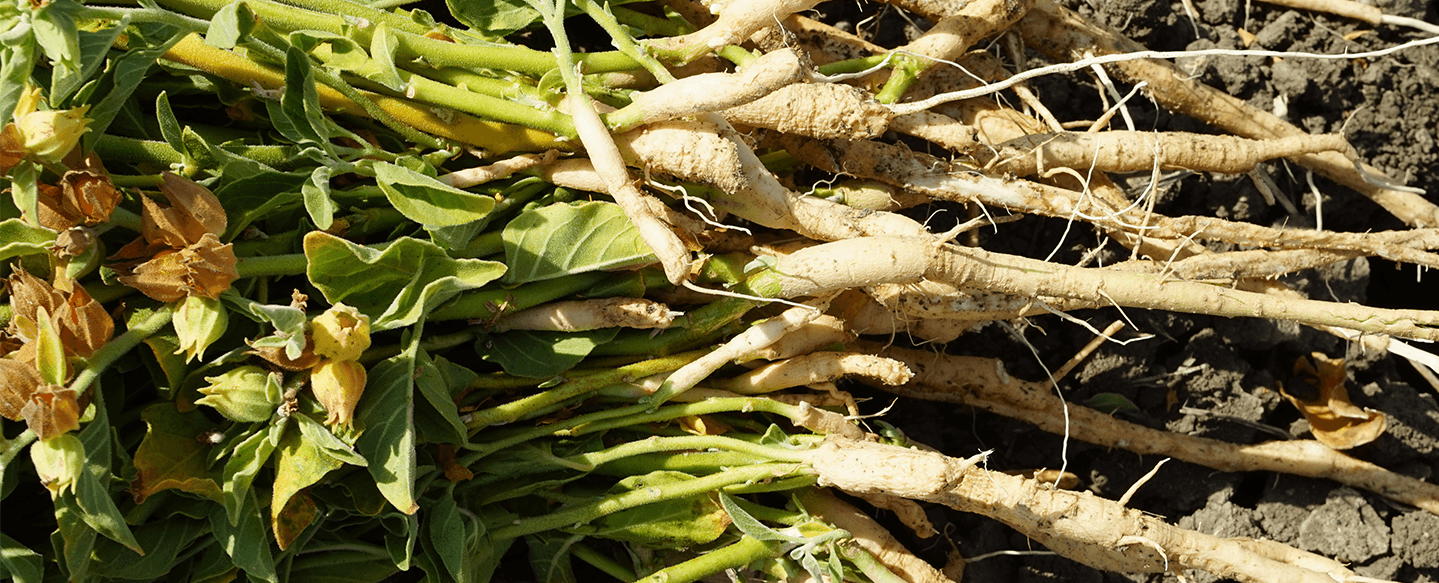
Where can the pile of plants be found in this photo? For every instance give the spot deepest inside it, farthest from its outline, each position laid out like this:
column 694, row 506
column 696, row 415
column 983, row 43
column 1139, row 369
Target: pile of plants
column 313, row 290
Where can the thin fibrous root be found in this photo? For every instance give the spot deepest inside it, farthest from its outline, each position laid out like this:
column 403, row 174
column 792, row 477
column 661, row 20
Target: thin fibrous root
column 579, row 315
column 1124, row 151
column 815, row 368
column 982, row 383
column 1080, row 526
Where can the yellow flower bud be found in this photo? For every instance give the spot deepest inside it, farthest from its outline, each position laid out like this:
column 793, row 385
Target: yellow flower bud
column 199, row 322
column 48, row 135
column 337, row 385
column 246, row 394
column 341, row 333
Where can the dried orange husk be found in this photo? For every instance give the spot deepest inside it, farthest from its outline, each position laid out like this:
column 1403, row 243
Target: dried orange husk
column 1334, row 420
column 18, row 380
column 29, row 295
column 82, row 323
column 83, row 197
column 193, row 211
column 206, row 268
column 52, row 411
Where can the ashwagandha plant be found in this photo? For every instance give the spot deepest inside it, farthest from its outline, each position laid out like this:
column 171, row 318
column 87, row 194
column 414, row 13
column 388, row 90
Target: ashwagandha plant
column 317, row 290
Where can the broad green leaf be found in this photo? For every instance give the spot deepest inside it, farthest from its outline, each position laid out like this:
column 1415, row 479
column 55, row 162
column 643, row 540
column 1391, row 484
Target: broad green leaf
column 447, row 534
column 50, row 352
column 163, row 346
column 394, row 287
column 92, row 485
column 496, row 18
column 240, row 470
column 539, row 354
column 299, row 464
column 402, row 531
column 428, row 201
column 672, row 523
column 18, row 238
column 171, row 456
column 749, row 525
column 16, row 63
column 164, row 541
column 18, row 563
column 76, row 538
column 387, row 413
column 1111, row 403
column 94, row 46
column 562, row 239
column 320, row 436
column 246, row 542
column 436, row 415
column 300, row 104
column 58, row 36
column 263, row 195
column 229, row 25
column 318, row 203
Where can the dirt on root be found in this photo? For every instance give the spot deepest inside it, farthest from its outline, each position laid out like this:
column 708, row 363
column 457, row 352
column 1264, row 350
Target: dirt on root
column 1215, row 377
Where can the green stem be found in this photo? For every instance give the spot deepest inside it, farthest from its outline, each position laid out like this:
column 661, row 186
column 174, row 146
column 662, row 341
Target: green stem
column 585, row 513
column 743, row 552
column 623, row 41
column 166, row 17
column 118, row 346
column 736, row 54
column 430, row 344
column 518, row 409
column 906, row 72
column 686, row 442
column 698, row 325
column 602, row 562
column 436, row 93
column 486, row 304
column 874, row 570
column 125, row 219
column 854, row 65
column 292, row 264
column 360, row 11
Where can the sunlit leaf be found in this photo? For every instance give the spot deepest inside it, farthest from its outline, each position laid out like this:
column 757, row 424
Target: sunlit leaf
column 562, row 239
column 240, row 469
column 18, row 238
column 428, row 201
column 19, row 563
column 540, row 354
column 387, row 413
column 298, row 465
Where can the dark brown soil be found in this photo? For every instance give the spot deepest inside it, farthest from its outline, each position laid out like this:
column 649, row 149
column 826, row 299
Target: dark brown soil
column 1213, row 377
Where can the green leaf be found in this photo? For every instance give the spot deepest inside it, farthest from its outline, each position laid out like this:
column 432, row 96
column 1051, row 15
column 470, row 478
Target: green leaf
column 92, row 485
column 18, row 563
column 300, row 104
column 562, row 239
column 341, row 566
column 247, row 542
column 289, row 322
column 59, row 38
column 676, row 523
column 25, row 190
column 748, row 524
column 496, row 18
column 171, row 456
column 541, row 354
column 230, row 24
column 264, row 195
column 1111, row 403
column 428, row 201
column 321, row 437
column 436, row 416
column 394, row 287
column 240, row 469
column 170, row 128
column 18, row 238
column 318, row 203
column 16, row 63
column 400, row 541
column 447, row 534
column 382, row 49
column 299, row 464
column 164, row 541
column 77, row 539
column 387, row 414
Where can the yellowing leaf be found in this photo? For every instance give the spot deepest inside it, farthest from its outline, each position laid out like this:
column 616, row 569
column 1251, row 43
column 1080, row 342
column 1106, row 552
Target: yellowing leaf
column 1334, row 420
column 172, row 455
column 299, row 464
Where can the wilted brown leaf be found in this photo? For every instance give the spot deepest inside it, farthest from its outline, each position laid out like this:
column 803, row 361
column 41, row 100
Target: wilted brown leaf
column 454, row 472
column 18, row 380
column 52, row 410
column 1334, row 420
column 206, row 268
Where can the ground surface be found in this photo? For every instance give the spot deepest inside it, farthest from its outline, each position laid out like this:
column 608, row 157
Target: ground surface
column 1212, row 377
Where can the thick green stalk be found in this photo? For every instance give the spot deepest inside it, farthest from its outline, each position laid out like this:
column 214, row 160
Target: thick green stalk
column 602, row 562
column 582, row 514
column 874, row 570
column 486, row 304
column 520, row 408
column 686, row 442
column 292, row 264
column 118, row 346
column 433, row 92
column 743, row 552
column 697, row 325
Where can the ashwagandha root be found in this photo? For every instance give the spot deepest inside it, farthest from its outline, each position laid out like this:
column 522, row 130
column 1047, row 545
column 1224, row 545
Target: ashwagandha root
column 817, row 367
column 737, row 20
column 821, row 110
column 709, row 92
column 1080, row 526
column 982, row 383
column 579, row 315
column 870, row 536
column 969, row 22
column 823, row 331
column 1239, row 265
column 1123, row 151
column 1062, row 34
column 481, row 174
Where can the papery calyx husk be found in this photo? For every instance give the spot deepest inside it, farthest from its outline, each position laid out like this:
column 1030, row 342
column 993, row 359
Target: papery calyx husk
column 206, row 269
column 52, row 411
column 338, row 385
column 246, row 394
column 199, row 321
column 341, row 333
column 82, row 323
column 83, row 197
column 18, row 380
